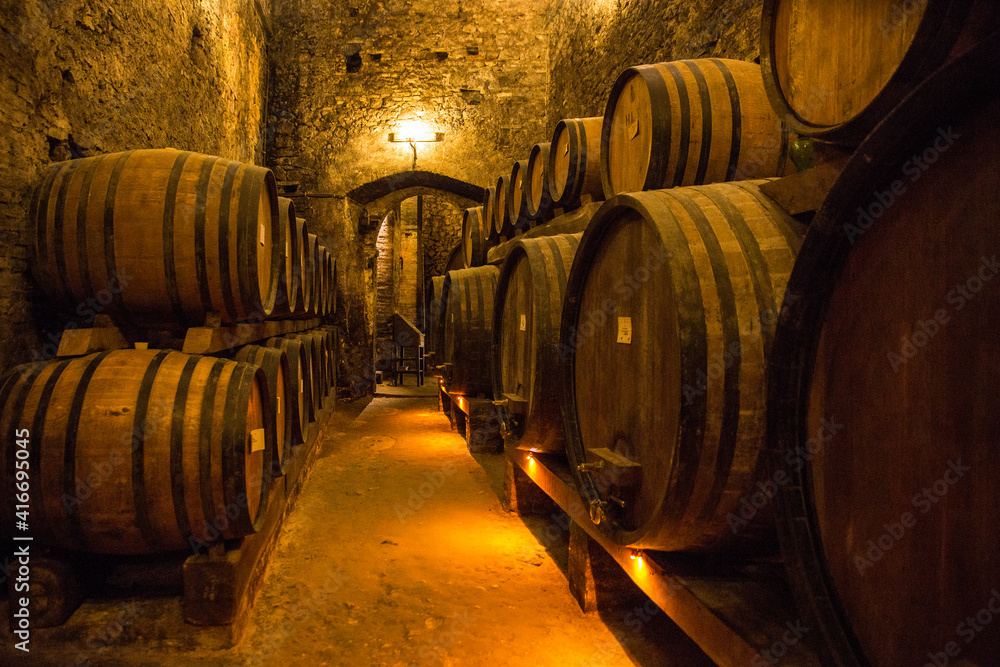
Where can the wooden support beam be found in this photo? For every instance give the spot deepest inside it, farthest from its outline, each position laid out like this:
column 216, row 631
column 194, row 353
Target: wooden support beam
column 213, row 339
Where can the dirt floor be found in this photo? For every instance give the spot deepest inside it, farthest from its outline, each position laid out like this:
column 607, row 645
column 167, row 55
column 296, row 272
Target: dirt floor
column 398, row 552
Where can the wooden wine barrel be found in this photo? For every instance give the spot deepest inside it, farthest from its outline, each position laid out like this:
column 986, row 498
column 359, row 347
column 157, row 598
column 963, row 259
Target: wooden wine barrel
column 517, row 203
column 456, row 259
column 689, row 122
column 884, row 387
column 834, row 70
column 333, row 345
column 327, row 335
column 301, row 381
column 433, row 315
column 490, row 237
column 313, row 273
column 324, row 287
column 284, row 409
column 667, row 324
column 574, row 167
column 302, row 272
column 502, row 226
column 321, row 358
column 314, row 352
column 538, row 198
column 290, row 298
column 526, row 316
column 169, row 235
column 139, row 451
column 467, row 330
column 473, row 237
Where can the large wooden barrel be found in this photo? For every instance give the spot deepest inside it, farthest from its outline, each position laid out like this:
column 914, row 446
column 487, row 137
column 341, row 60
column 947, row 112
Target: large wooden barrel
column 502, row 226
column 538, row 197
column 489, row 201
column 574, row 168
column 324, row 277
column 526, row 316
column 834, row 70
column 289, row 299
column 301, row 381
column 170, row 235
column 284, row 408
column 473, row 237
column 321, row 354
column 138, row 451
column 884, row 420
column 456, row 258
column 468, row 330
column 333, row 346
column 667, row 324
column 517, row 203
column 313, row 273
column 433, row 316
column 689, row 122
column 302, row 272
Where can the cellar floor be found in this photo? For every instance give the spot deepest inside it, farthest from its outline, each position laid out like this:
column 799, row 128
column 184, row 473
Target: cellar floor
column 399, row 553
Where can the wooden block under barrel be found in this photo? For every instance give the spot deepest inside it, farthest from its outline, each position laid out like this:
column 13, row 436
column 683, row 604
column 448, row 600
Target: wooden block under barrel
column 595, row 578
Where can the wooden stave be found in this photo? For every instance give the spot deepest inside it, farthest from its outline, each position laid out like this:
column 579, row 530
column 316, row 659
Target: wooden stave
column 770, row 138
column 153, row 528
column 274, row 363
column 473, row 246
column 467, row 335
column 538, row 197
column 655, row 209
column 954, row 94
column 542, row 430
column 186, row 296
column 939, row 33
column 584, row 162
column 299, row 377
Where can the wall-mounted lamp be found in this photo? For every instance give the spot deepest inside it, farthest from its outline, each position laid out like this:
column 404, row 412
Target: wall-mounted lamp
column 415, row 137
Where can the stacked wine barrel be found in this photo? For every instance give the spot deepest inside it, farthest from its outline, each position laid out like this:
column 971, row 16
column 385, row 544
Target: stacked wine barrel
column 179, row 239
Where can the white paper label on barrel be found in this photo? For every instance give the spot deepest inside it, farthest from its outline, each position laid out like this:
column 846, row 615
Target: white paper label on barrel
column 625, row 330
column 141, row 346
column 566, row 152
column 302, row 387
column 279, row 404
column 261, row 234
column 524, row 322
column 256, row 440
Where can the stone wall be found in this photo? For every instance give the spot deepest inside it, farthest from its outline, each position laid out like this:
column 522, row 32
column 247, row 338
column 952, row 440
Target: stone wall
column 442, row 231
column 592, row 41
column 346, row 74
column 93, row 76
